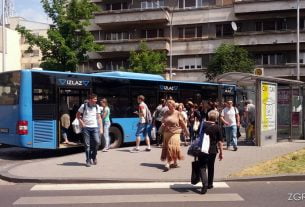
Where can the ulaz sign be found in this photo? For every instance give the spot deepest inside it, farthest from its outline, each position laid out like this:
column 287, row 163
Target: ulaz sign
column 71, row 82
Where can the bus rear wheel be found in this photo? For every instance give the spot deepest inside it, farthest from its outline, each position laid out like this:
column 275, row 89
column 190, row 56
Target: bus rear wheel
column 116, row 137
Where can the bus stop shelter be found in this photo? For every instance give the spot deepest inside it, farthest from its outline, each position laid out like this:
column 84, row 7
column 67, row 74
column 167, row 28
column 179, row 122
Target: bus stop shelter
column 279, row 106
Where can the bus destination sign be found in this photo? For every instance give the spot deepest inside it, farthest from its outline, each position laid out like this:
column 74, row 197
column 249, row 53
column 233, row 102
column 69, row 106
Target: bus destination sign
column 168, row 88
column 73, row 82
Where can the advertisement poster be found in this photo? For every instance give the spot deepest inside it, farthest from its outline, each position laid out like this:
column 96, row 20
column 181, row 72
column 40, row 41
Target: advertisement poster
column 269, row 103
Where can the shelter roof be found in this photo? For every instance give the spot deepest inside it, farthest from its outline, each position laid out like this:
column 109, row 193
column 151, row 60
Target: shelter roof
column 248, row 79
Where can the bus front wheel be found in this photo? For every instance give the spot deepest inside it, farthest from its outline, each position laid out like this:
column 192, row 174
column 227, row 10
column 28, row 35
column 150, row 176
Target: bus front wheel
column 116, row 137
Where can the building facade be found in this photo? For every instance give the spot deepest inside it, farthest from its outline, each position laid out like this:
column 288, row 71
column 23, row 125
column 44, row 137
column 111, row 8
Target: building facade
column 12, row 50
column 190, row 31
column 29, row 59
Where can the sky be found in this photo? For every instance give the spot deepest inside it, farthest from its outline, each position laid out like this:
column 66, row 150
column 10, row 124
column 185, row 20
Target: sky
column 30, row 10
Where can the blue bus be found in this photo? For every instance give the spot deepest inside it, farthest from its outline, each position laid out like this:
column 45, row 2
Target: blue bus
column 31, row 101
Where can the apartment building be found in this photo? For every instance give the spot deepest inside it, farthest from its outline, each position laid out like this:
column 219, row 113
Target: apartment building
column 12, row 50
column 29, row 59
column 190, row 31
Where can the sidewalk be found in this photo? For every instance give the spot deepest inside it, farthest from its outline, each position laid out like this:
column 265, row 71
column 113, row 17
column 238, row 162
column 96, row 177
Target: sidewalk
column 120, row 165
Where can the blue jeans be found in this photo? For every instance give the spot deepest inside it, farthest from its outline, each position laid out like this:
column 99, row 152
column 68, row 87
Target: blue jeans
column 231, row 135
column 106, row 134
column 91, row 142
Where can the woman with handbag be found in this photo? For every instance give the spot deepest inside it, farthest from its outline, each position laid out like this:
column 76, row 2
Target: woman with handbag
column 172, row 125
column 207, row 161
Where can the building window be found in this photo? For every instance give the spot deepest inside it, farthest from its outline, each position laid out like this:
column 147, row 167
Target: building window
column 152, row 4
column 115, row 64
column 152, row 33
column 118, row 36
column 259, row 26
column 224, row 30
column 190, row 32
column 116, row 6
column 195, row 3
column 190, row 63
column 270, row 59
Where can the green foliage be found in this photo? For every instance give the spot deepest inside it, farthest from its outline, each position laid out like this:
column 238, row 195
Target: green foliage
column 67, row 40
column 229, row 58
column 147, row 60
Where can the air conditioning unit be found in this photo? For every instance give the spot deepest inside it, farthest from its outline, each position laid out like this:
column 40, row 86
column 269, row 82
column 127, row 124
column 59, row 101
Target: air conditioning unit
column 259, row 71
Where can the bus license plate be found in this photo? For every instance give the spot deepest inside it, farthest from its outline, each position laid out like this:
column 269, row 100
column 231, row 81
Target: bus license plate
column 4, row 130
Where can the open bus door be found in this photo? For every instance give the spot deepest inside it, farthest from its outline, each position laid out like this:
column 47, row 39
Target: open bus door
column 69, row 101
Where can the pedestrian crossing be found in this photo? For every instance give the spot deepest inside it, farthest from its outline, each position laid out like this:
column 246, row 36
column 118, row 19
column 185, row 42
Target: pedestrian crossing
column 135, row 194
column 121, row 186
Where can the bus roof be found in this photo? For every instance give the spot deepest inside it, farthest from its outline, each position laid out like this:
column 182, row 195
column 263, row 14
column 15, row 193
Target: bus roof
column 130, row 75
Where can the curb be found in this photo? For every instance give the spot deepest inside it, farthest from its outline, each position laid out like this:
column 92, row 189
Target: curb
column 19, row 179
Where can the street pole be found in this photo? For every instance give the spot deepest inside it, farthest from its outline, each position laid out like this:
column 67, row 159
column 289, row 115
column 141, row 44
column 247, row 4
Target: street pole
column 171, row 48
column 3, row 35
column 298, row 39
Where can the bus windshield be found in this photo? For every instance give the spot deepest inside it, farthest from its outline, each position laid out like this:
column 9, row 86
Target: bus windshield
column 9, row 88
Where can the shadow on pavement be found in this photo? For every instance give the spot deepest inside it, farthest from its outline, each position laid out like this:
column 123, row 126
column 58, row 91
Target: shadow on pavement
column 183, row 188
column 158, row 166
column 123, row 150
column 16, row 153
column 73, row 164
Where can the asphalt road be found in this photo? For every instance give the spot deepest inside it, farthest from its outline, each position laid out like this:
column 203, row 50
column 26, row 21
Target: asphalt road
column 271, row 194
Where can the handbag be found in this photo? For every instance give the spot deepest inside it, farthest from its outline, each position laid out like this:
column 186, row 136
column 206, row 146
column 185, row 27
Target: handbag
column 196, row 125
column 76, row 126
column 205, row 143
column 195, row 176
column 153, row 133
column 195, row 148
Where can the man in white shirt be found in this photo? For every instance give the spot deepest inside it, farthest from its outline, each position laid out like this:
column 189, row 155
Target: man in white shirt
column 89, row 116
column 231, row 120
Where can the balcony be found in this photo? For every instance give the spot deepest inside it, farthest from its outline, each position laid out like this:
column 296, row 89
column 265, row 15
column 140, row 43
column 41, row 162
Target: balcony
column 193, row 47
column 266, row 38
column 132, row 16
column 125, row 46
column 252, row 6
column 288, row 70
column 204, row 15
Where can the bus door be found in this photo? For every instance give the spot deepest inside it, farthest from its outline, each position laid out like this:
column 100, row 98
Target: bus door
column 69, row 101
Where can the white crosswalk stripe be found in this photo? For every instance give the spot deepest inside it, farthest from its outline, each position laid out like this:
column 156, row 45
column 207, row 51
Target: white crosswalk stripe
column 58, row 200
column 116, row 197
column 116, row 186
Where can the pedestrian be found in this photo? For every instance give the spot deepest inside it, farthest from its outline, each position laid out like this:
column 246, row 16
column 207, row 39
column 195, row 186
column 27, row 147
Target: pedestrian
column 231, row 120
column 89, row 116
column 173, row 125
column 207, row 161
column 181, row 109
column 214, row 109
column 250, row 120
column 65, row 123
column 106, row 123
column 158, row 116
column 143, row 124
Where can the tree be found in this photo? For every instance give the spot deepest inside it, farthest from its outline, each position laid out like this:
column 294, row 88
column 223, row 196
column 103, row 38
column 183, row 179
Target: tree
column 147, row 60
column 67, row 40
column 228, row 58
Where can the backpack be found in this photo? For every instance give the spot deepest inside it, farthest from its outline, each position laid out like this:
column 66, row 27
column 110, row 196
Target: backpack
column 85, row 108
column 148, row 117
